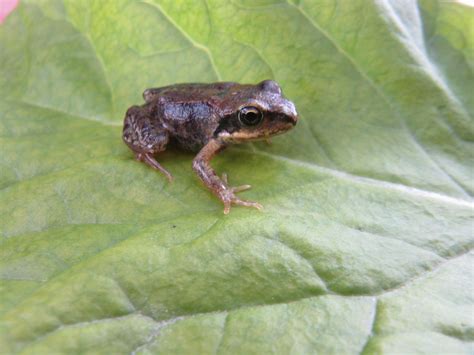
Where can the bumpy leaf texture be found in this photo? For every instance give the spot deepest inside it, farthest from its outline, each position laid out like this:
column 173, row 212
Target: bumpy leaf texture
column 365, row 242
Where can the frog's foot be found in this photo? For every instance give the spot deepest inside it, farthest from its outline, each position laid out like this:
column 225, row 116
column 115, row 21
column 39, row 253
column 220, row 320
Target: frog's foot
column 228, row 197
column 148, row 159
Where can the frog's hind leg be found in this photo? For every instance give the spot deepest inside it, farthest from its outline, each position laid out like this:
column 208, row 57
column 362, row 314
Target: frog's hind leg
column 145, row 138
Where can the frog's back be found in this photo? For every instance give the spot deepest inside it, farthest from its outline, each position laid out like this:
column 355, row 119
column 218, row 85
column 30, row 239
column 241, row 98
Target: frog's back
column 190, row 92
column 187, row 111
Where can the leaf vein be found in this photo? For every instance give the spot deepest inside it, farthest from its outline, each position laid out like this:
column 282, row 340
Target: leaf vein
column 378, row 89
column 372, row 327
column 357, row 179
column 199, row 46
column 221, row 340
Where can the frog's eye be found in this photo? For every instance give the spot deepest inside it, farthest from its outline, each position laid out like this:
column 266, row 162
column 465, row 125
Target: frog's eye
column 250, row 116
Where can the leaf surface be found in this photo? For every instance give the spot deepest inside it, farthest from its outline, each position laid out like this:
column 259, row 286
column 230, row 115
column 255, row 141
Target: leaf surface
column 365, row 242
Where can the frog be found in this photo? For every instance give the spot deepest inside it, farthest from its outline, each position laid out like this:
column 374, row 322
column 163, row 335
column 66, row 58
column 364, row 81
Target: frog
column 206, row 118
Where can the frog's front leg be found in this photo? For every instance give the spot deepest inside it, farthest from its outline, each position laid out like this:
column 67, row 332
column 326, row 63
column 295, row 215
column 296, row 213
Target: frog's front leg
column 218, row 186
column 145, row 138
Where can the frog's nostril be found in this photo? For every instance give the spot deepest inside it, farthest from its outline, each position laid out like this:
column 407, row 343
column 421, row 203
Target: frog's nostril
column 292, row 119
column 295, row 119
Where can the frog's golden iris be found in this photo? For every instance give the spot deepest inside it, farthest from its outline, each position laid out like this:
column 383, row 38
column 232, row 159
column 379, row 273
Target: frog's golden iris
column 250, row 116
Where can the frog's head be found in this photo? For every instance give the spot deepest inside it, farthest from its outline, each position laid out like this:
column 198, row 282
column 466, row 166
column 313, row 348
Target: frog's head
column 257, row 112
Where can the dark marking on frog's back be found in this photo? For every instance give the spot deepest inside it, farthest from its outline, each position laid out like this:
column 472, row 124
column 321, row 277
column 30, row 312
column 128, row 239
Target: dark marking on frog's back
column 190, row 125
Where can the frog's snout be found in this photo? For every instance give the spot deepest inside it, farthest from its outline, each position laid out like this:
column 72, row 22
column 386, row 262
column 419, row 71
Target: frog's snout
column 292, row 114
column 293, row 119
column 289, row 110
column 289, row 120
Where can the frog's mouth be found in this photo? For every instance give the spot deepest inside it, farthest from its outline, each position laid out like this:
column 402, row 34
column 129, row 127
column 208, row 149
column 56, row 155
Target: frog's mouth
column 257, row 135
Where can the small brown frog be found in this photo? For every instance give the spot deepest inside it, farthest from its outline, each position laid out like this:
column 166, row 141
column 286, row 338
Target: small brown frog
column 207, row 118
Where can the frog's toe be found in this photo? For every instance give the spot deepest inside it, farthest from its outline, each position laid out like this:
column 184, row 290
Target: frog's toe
column 169, row 176
column 226, row 208
column 224, row 178
column 256, row 205
column 234, row 200
column 240, row 188
column 236, row 188
column 238, row 201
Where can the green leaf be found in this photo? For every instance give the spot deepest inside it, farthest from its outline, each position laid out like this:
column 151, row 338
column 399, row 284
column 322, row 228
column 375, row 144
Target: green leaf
column 365, row 242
